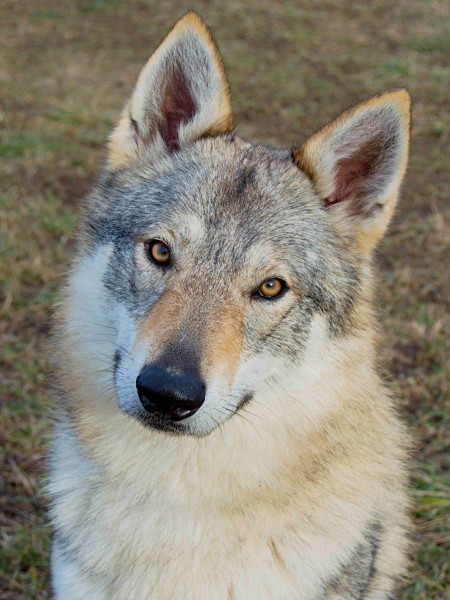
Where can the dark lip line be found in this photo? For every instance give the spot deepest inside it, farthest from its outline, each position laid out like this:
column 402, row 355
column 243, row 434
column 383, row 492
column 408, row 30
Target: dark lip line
column 158, row 425
column 177, row 430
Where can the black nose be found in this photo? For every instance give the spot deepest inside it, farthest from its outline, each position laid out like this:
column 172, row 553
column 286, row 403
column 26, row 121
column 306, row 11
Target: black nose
column 169, row 395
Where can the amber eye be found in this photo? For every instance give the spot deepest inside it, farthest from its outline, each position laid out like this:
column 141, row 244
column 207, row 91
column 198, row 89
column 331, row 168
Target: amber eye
column 158, row 252
column 271, row 288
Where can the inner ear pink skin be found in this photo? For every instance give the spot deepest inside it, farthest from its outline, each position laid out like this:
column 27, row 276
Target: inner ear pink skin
column 178, row 107
column 353, row 173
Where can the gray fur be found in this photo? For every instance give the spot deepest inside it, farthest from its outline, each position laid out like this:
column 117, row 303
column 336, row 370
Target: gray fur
column 246, row 196
column 309, row 501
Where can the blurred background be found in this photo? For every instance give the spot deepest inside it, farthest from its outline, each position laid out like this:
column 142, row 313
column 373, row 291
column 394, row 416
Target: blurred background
column 66, row 69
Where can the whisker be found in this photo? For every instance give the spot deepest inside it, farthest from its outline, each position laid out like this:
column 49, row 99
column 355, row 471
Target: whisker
column 98, row 324
column 114, row 344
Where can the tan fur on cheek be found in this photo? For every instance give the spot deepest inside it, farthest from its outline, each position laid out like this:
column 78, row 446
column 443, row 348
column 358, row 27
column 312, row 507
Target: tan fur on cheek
column 221, row 348
column 161, row 323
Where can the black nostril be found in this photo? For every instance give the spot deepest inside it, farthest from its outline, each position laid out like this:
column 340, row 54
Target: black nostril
column 171, row 396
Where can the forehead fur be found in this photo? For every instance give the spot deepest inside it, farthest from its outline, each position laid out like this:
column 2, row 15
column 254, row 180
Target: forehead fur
column 223, row 186
column 239, row 202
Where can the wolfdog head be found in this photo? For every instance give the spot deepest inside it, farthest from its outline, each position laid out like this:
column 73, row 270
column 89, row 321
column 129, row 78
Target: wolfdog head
column 213, row 273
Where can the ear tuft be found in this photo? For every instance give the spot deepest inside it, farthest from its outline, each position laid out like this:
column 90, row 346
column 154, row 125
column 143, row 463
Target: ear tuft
column 182, row 95
column 358, row 161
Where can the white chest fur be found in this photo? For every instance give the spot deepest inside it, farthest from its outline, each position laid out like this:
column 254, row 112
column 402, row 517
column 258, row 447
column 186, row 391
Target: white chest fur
column 157, row 539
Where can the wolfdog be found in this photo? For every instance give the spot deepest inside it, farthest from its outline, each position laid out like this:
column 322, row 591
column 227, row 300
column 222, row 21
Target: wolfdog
column 221, row 430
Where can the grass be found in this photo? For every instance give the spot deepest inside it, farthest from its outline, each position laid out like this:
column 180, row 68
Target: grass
column 66, row 69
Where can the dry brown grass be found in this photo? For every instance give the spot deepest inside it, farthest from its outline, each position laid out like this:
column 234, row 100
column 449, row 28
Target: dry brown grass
column 65, row 70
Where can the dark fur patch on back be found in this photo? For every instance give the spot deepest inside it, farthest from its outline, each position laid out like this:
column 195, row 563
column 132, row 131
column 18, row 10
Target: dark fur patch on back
column 355, row 577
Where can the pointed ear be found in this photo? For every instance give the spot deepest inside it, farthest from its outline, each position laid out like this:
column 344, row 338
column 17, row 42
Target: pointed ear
column 182, row 95
column 357, row 164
